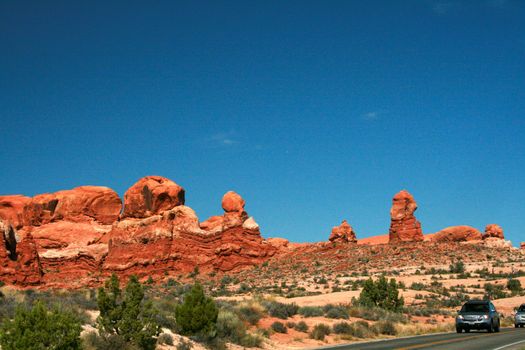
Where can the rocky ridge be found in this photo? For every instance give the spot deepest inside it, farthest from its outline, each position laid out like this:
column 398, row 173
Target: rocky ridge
column 77, row 237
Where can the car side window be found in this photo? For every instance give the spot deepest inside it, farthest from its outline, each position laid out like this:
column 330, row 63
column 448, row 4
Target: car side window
column 492, row 308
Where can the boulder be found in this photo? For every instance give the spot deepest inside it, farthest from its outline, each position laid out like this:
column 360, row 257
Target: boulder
column 493, row 230
column 151, row 195
column 404, row 226
column 85, row 203
column 343, row 233
column 457, row 234
column 232, row 202
column 12, row 209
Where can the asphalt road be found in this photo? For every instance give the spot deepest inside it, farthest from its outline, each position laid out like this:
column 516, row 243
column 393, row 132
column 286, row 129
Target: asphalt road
column 507, row 339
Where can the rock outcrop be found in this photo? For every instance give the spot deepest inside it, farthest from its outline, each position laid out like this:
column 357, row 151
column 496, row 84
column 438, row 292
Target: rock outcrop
column 85, row 203
column 343, row 233
column 457, row 234
column 152, row 195
column 19, row 260
column 522, row 245
column 79, row 236
column 493, row 230
column 404, row 226
column 12, row 209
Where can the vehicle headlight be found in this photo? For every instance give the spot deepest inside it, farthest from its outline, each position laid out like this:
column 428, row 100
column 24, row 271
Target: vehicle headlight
column 460, row 317
column 486, row 317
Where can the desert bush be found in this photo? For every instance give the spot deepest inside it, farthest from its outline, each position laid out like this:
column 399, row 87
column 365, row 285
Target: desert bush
column 385, row 327
column 39, row 328
column 127, row 314
column 311, row 311
column 514, row 285
column 279, row 327
column 184, row 345
column 320, row 331
column 336, row 311
column 250, row 313
column 301, row 326
column 165, row 338
column 197, row 314
column 342, row 328
column 280, row 310
column 381, row 294
column 457, row 267
column 231, row 328
column 93, row 341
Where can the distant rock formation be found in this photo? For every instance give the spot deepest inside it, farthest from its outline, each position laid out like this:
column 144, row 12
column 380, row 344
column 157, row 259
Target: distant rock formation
column 343, row 233
column 404, row 226
column 493, row 230
column 457, row 234
column 522, row 245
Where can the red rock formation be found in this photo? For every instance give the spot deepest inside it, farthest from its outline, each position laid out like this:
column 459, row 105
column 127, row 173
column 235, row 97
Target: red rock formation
column 79, row 204
column 151, row 195
column 12, row 209
column 404, row 226
column 343, row 233
column 457, row 234
column 19, row 261
column 522, row 245
column 174, row 240
column 493, row 230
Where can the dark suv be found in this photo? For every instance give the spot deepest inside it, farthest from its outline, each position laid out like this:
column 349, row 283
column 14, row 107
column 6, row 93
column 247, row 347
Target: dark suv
column 477, row 314
column 519, row 318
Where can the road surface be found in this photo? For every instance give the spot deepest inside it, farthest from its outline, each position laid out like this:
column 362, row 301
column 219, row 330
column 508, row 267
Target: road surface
column 507, row 339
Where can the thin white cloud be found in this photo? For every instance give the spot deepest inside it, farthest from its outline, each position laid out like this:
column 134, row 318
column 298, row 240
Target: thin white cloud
column 223, row 139
column 374, row 115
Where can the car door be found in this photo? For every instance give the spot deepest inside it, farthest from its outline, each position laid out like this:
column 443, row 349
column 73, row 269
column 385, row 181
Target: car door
column 494, row 314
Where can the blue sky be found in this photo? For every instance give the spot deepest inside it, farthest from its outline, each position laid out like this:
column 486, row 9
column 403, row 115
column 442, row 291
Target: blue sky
column 314, row 111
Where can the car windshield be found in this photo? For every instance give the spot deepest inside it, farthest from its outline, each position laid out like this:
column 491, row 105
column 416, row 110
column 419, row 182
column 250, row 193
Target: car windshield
column 522, row 308
column 475, row 308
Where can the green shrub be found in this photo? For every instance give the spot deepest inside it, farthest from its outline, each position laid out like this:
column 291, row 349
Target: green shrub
column 342, row 328
column 386, row 327
column 250, row 314
column 39, row 328
column 311, row 311
column 381, row 294
column 301, row 326
column 320, row 331
column 165, row 338
column 197, row 314
column 338, row 312
column 280, row 310
column 184, row 345
column 279, row 327
column 127, row 314
column 93, row 341
column 514, row 285
column 230, row 327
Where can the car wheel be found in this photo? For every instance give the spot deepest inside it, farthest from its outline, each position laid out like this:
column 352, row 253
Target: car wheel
column 491, row 328
column 458, row 330
column 516, row 326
